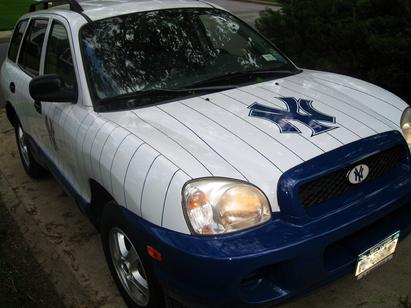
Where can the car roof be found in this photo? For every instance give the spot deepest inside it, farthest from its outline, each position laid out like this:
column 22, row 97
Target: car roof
column 101, row 9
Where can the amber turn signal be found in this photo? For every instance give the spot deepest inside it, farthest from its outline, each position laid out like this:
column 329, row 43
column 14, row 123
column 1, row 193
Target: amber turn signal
column 154, row 253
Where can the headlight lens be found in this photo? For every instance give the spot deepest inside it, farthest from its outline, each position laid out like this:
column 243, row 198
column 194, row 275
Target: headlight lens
column 406, row 125
column 217, row 205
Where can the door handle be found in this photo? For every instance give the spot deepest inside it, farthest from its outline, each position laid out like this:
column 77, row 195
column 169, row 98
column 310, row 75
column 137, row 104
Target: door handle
column 37, row 106
column 12, row 87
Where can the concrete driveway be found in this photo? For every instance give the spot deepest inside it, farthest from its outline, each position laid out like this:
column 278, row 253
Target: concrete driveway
column 3, row 52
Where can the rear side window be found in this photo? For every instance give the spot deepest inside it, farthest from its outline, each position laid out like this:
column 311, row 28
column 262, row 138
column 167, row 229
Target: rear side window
column 58, row 55
column 30, row 53
column 16, row 40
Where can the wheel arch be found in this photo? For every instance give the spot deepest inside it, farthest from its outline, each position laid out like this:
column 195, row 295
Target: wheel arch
column 11, row 113
column 99, row 199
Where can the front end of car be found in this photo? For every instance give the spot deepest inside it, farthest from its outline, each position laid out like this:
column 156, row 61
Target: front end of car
column 339, row 195
column 325, row 223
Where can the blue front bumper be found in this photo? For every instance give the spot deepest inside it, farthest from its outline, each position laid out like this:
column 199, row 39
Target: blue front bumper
column 285, row 257
column 270, row 263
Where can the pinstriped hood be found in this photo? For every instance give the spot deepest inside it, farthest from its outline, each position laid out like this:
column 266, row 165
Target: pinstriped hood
column 219, row 134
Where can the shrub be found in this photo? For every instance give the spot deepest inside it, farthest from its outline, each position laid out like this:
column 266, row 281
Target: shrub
column 368, row 39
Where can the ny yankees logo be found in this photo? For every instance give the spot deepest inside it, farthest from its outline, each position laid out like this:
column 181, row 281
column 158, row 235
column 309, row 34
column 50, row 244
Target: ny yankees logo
column 300, row 110
column 359, row 174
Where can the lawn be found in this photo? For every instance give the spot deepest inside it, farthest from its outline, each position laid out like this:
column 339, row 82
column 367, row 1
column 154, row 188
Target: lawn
column 10, row 11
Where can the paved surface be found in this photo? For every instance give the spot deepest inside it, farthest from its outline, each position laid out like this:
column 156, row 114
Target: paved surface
column 68, row 247
column 5, row 36
column 62, row 240
column 245, row 10
column 3, row 51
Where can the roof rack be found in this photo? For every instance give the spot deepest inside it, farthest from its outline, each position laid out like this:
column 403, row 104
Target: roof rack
column 74, row 5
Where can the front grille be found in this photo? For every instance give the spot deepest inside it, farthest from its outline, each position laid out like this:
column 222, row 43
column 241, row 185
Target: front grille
column 336, row 183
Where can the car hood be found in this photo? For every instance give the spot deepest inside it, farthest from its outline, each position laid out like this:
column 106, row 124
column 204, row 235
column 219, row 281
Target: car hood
column 257, row 132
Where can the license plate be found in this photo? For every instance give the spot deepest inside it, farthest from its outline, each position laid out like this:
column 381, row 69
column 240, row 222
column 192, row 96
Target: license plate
column 376, row 255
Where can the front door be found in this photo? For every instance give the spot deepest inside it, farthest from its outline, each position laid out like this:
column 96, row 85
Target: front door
column 29, row 62
column 58, row 60
column 57, row 122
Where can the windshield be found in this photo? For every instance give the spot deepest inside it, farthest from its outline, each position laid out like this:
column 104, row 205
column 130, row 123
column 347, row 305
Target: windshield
column 172, row 49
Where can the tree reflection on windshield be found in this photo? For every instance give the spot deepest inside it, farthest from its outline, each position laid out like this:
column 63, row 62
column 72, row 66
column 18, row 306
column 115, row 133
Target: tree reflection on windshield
column 170, row 49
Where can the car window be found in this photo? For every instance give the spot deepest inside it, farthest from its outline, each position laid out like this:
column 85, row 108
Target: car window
column 30, row 54
column 223, row 34
column 16, row 40
column 171, row 49
column 58, row 55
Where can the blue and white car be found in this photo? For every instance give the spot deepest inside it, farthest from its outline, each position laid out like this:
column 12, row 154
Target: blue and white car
column 218, row 173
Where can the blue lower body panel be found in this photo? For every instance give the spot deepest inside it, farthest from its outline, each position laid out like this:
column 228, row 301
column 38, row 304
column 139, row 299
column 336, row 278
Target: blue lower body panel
column 299, row 249
column 287, row 256
column 278, row 260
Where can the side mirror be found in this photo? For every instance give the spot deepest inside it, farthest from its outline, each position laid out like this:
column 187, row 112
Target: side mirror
column 50, row 88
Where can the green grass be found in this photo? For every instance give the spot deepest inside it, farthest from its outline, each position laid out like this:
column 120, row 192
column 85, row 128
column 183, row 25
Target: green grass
column 10, row 11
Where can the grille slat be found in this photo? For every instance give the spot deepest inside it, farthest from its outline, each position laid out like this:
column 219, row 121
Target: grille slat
column 336, row 183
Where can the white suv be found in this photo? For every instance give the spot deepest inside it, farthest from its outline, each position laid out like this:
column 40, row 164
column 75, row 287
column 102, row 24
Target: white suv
column 217, row 171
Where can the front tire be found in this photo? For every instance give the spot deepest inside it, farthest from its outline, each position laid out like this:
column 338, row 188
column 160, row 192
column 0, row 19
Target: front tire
column 128, row 261
column 31, row 166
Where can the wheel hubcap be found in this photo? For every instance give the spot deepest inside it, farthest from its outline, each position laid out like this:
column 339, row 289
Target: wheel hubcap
column 23, row 146
column 128, row 267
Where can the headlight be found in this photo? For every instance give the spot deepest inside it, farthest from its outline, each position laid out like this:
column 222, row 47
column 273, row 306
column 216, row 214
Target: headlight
column 218, row 205
column 406, row 125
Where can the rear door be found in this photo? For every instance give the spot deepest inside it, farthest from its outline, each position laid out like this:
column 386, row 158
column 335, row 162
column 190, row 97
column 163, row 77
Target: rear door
column 29, row 61
column 11, row 73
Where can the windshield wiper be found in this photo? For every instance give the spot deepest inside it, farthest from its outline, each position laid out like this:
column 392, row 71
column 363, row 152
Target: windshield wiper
column 150, row 96
column 190, row 90
column 252, row 73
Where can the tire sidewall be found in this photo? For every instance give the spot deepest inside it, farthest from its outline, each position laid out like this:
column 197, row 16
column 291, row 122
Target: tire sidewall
column 34, row 169
column 16, row 131
column 113, row 217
